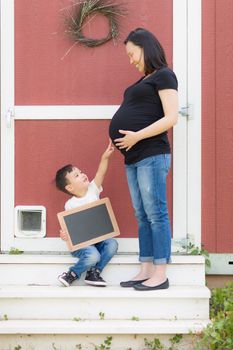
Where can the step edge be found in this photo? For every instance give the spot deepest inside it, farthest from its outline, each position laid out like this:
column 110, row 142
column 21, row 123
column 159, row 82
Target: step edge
column 99, row 327
column 67, row 259
column 82, row 292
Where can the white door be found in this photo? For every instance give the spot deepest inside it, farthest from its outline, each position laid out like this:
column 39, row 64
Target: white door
column 186, row 134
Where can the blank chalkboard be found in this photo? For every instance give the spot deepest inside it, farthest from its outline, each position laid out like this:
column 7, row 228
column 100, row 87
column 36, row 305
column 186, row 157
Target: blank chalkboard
column 89, row 224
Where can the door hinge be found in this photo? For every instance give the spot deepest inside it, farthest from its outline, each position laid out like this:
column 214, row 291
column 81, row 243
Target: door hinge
column 187, row 111
column 9, row 116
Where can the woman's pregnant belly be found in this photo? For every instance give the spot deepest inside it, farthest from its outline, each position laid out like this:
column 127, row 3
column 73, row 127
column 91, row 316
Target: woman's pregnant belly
column 127, row 119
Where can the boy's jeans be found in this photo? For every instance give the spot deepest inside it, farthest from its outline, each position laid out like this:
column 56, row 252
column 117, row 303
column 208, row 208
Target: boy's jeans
column 147, row 185
column 97, row 255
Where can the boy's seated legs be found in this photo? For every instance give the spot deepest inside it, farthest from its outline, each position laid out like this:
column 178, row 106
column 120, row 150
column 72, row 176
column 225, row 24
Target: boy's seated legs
column 88, row 257
column 92, row 259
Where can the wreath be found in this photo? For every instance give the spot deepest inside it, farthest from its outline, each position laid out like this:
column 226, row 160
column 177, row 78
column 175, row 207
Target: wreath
column 79, row 17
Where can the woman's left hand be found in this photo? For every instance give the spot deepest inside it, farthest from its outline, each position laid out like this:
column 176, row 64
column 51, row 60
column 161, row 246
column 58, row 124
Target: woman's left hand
column 128, row 141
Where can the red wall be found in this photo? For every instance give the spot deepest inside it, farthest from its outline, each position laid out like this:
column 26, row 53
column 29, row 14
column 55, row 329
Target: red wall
column 83, row 76
column 217, row 126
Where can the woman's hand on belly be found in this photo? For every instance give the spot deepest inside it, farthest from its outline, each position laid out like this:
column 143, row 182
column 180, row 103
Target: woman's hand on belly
column 128, row 141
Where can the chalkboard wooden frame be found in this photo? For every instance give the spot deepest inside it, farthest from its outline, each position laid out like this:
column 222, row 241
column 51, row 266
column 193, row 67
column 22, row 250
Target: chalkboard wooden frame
column 87, row 213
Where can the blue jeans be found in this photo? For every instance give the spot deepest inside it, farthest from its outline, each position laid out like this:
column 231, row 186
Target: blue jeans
column 147, row 185
column 97, row 255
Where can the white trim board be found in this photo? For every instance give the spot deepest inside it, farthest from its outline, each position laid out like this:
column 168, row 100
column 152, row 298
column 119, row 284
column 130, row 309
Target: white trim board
column 180, row 26
column 221, row 264
column 187, row 189
column 65, row 112
column 56, row 245
column 7, row 133
column 194, row 123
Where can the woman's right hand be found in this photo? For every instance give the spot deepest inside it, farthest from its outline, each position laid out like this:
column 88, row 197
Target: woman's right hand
column 63, row 235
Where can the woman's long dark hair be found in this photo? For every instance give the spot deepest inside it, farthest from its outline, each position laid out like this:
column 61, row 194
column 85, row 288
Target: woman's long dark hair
column 154, row 55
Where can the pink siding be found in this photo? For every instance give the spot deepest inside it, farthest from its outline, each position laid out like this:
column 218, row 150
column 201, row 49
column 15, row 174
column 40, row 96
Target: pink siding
column 217, row 126
column 85, row 76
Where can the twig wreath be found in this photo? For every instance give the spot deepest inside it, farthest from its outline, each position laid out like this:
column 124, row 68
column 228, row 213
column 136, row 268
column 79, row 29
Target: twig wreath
column 86, row 8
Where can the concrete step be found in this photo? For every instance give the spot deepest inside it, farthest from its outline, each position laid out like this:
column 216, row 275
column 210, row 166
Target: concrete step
column 114, row 303
column 44, row 269
column 100, row 327
column 90, row 335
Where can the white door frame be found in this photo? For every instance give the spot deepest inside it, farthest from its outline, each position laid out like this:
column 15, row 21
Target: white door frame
column 186, row 134
column 187, row 189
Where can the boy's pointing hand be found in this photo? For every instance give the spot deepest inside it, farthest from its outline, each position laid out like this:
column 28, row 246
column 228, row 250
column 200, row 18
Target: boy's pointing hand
column 108, row 152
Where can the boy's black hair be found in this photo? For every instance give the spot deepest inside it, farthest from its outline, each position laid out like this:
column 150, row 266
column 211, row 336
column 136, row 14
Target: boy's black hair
column 154, row 55
column 61, row 180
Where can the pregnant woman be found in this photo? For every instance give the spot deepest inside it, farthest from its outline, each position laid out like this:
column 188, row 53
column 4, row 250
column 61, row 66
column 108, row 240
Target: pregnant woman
column 139, row 130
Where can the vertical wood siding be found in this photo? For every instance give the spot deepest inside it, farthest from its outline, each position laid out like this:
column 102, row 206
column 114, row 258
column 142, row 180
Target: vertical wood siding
column 217, row 126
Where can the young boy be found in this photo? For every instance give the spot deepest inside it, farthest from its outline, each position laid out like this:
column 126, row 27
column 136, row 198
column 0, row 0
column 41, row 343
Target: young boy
column 94, row 258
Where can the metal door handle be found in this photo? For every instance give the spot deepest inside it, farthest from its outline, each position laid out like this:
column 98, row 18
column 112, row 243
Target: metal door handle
column 9, row 115
column 187, row 111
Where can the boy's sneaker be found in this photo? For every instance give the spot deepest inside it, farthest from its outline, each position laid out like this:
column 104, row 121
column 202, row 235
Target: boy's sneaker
column 67, row 278
column 93, row 277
